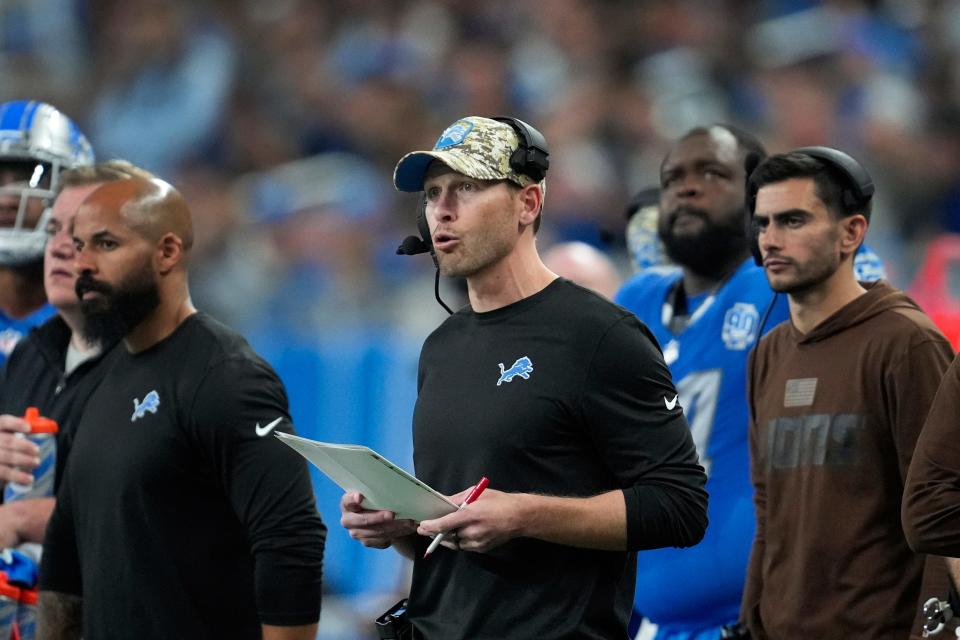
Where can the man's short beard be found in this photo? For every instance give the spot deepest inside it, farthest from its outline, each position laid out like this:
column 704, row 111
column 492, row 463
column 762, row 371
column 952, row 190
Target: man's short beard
column 478, row 253
column 118, row 310
column 810, row 276
column 808, row 283
column 709, row 251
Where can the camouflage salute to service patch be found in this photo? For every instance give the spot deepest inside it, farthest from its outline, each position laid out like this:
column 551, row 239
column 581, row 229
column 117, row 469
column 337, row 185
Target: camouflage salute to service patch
column 474, row 146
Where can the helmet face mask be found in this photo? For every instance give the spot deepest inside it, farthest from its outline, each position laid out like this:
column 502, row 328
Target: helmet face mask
column 37, row 143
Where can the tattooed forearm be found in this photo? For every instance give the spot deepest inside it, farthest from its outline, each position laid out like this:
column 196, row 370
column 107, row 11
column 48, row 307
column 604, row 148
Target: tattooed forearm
column 59, row 616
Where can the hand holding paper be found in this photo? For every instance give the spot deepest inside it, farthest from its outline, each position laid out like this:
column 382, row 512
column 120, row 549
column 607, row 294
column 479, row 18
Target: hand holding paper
column 373, row 529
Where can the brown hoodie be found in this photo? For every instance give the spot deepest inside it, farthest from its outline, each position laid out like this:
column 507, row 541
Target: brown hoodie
column 931, row 500
column 835, row 415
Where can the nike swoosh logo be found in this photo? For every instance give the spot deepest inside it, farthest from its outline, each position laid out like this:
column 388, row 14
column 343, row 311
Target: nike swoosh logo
column 670, row 403
column 262, row 431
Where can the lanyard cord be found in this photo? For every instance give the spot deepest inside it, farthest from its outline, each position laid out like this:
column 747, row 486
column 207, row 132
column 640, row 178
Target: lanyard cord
column 678, row 322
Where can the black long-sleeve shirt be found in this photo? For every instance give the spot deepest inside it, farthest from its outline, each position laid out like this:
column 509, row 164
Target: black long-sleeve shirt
column 562, row 393
column 180, row 514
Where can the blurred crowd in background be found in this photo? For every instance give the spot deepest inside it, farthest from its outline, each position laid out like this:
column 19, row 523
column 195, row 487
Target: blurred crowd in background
column 281, row 121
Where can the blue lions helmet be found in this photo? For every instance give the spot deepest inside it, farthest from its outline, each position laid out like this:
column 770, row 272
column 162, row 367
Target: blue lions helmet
column 37, row 143
column 643, row 242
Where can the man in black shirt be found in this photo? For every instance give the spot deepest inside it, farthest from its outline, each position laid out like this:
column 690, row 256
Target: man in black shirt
column 560, row 397
column 178, row 515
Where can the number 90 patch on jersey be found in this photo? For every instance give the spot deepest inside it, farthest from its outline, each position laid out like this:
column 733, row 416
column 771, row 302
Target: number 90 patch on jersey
column 740, row 326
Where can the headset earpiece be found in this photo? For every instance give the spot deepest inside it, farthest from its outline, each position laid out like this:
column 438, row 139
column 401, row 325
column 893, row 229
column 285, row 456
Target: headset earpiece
column 412, row 245
column 750, row 163
column 424, row 229
column 532, row 155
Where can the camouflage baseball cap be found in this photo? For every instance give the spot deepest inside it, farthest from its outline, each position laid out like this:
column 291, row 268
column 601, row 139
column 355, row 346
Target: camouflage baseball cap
column 474, row 146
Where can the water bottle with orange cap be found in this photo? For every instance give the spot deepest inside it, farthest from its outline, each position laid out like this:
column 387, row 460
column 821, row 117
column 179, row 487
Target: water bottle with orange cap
column 9, row 596
column 43, row 433
column 27, row 614
column 20, row 571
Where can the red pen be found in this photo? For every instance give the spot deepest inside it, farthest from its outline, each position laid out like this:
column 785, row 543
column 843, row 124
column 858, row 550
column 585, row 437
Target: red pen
column 472, row 496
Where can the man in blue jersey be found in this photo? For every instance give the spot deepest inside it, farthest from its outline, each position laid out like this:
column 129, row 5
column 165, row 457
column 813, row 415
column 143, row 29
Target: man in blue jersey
column 706, row 314
column 37, row 142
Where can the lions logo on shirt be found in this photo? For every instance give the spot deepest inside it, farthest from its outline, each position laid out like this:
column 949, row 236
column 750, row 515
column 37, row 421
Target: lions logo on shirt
column 151, row 402
column 740, row 326
column 523, row 367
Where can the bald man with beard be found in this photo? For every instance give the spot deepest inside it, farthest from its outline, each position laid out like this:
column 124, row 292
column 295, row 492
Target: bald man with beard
column 179, row 515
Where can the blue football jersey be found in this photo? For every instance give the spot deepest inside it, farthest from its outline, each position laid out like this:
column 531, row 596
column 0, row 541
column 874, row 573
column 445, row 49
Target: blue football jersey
column 12, row 330
column 700, row 587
